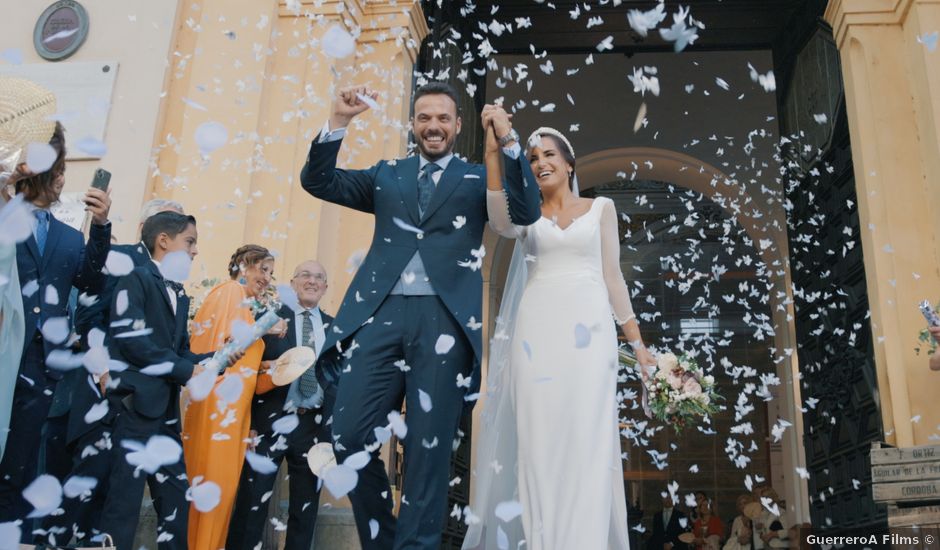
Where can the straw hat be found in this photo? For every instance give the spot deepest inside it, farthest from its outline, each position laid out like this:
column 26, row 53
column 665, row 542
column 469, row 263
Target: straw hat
column 26, row 110
column 291, row 364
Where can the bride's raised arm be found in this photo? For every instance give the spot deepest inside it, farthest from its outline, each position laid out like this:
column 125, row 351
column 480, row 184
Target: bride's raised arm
column 497, row 201
column 617, row 289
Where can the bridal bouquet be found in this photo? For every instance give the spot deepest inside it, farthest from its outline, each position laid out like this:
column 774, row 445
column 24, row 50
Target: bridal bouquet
column 678, row 391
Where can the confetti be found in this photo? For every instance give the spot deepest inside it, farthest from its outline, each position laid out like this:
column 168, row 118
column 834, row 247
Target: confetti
column 261, row 464
column 337, row 43
column 118, row 264
column 175, row 266
column 45, row 495
column 205, row 495
column 340, row 479
column 40, row 157
column 444, row 344
column 210, row 136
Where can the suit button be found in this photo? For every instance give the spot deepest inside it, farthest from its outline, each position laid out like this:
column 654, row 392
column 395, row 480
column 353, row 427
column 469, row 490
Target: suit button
column 420, row 236
column 36, row 310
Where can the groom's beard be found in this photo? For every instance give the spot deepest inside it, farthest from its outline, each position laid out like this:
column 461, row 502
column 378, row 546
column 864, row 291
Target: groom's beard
column 435, row 155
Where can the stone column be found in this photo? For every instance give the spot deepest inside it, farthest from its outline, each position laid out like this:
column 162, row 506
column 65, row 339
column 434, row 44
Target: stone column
column 892, row 89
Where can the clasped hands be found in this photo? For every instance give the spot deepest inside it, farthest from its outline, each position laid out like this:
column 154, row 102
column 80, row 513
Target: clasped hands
column 497, row 125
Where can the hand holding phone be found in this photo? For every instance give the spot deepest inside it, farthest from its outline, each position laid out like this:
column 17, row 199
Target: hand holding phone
column 97, row 199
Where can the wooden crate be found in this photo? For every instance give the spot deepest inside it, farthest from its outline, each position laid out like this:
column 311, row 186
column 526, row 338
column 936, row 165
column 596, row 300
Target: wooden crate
column 906, row 475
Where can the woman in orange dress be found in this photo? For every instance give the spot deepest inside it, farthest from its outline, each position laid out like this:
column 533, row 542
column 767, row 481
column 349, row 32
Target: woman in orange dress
column 216, row 429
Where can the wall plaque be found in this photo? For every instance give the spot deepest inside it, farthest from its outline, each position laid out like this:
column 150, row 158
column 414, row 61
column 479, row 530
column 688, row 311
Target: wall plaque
column 60, row 30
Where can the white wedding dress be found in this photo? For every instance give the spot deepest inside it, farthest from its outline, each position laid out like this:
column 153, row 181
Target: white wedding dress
column 548, row 469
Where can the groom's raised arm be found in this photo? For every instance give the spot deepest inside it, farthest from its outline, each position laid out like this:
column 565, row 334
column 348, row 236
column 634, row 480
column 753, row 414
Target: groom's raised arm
column 320, row 177
column 351, row 188
column 521, row 188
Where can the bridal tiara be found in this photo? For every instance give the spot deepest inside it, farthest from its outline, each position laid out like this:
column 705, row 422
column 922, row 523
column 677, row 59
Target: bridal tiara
column 546, row 131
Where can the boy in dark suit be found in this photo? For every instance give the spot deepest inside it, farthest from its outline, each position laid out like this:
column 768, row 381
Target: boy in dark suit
column 49, row 263
column 310, row 397
column 149, row 333
column 81, row 441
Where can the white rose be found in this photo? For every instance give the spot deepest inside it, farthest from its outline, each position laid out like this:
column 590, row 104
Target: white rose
column 709, row 379
column 667, row 361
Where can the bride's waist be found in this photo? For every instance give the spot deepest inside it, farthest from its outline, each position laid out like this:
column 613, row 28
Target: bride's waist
column 581, row 276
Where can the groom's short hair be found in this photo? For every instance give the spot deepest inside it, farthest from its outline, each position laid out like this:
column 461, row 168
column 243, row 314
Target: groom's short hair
column 437, row 88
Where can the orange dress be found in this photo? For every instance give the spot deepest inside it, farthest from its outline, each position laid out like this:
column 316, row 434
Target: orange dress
column 215, row 433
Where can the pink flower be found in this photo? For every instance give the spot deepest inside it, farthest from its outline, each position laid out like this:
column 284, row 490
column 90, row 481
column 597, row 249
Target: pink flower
column 692, row 388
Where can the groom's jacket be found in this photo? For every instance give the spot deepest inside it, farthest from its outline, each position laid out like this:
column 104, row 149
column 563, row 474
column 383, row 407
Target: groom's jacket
column 449, row 238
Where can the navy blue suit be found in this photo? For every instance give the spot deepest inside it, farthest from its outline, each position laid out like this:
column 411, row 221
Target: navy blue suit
column 149, row 405
column 78, row 440
column 248, row 517
column 395, row 336
column 67, row 260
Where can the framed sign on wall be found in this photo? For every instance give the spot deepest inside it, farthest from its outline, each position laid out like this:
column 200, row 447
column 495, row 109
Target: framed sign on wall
column 60, row 30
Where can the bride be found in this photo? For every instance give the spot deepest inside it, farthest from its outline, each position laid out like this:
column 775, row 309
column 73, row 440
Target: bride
column 548, row 469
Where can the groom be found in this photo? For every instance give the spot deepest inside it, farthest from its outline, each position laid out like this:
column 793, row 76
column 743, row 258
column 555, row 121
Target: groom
column 409, row 325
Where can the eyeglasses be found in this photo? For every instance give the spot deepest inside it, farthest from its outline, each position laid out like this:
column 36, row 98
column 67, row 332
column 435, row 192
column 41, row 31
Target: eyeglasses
column 305, row 275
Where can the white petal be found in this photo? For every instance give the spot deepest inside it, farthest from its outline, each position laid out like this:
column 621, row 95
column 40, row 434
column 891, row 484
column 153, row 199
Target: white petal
column 52, row 295
column 120, row 302
column 79, row 485
column 398, row 425
column 425, row 400
column 118, row 264
column 508, row 510
column 230, row 389
column 444, row 343
column 210, row 136
column 260, row 464
column 286, row 424
column 96, row 412
column 92, row 146
column 582, row 336
column 206, row 496
column 340, row 479
column 200, row 385
column 158, row 369
column 358, row 461
column 175, row 266
column 56, row 329
column 40, row 157
column 45, row 494
column 338, row 43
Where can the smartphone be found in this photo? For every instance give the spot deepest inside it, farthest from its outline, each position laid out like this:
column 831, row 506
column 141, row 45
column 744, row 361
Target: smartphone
column 101, row 180
column 932, row 318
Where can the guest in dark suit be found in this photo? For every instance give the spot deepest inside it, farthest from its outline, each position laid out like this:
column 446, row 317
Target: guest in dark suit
column 416, row 299
column 49, row 263
column 311, row 399
column 149, row 318
column 667, row 526
column 83, row 443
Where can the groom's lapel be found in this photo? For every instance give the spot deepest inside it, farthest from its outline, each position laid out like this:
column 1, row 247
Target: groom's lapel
column 450, row 179
column 407, row 172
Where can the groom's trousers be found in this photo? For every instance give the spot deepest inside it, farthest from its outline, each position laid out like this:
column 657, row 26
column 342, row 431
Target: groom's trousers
column 403, row 352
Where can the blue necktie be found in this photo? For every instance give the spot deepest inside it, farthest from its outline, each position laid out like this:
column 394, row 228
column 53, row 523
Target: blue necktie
column 426, row 187
column 42, row 229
